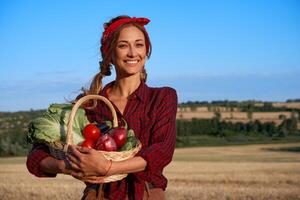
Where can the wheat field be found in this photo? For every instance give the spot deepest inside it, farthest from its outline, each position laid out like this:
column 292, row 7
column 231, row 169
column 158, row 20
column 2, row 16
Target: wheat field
column 236, row 172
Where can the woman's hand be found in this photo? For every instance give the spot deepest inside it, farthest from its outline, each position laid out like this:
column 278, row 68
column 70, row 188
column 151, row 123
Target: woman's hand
column 64, row 167
column 88, row 163
column 55, row 166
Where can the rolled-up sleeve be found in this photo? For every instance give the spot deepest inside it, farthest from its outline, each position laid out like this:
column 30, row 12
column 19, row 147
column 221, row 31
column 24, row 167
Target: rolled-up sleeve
column 34, row 158
column 163, row 136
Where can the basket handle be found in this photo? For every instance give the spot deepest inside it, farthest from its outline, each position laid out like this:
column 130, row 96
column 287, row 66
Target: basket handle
column 69, row 138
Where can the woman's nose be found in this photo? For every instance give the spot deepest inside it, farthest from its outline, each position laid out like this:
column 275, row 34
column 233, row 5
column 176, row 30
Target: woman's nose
column 132, row 51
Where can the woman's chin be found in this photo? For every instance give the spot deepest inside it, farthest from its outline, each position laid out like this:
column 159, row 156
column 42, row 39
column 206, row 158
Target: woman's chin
column 129, row 75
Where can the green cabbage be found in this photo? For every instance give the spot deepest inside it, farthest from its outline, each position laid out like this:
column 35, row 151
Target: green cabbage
column 52, row 125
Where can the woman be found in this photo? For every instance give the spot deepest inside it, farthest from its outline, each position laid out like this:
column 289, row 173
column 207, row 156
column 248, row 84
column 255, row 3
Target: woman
column 150, row 112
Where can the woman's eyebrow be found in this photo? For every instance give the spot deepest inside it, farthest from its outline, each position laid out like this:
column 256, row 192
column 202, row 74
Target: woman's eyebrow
column 122, row 41
column 138, row 40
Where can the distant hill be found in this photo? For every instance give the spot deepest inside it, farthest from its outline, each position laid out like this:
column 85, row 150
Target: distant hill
column 17, row 120
column 13, row 127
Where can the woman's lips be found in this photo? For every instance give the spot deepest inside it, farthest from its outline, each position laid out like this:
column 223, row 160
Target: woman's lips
column 131, row 61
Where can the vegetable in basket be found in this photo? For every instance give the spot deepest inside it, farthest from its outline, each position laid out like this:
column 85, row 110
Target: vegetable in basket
column 106, row 143
column 117, row 139
column 52, row 125
column 111, row 139
column 120, row 136
column 131, row 141
column 91, row 131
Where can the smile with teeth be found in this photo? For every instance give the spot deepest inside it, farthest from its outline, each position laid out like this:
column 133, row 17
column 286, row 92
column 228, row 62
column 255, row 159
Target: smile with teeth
column 131, row 61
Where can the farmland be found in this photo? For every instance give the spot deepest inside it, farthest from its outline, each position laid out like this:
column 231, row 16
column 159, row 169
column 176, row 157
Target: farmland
column 236, row 115
column 267, row 171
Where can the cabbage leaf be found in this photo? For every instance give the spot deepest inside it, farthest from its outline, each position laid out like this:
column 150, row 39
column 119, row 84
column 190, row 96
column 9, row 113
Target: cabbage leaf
column 52, row 125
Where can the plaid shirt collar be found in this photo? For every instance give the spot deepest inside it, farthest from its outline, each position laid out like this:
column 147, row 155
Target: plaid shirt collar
column 140, row 93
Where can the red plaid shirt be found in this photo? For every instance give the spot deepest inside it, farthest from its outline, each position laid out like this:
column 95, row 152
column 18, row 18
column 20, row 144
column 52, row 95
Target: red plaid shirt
column 151, row 113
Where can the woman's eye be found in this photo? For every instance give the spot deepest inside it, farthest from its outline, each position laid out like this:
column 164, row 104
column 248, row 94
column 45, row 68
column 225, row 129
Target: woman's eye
column 121, row 46
column 140, row 45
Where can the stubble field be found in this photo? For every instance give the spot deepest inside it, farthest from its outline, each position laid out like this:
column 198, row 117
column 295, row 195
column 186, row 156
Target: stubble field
column 236, row 172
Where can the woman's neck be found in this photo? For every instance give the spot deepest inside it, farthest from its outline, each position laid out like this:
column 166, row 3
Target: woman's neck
column 125, row 86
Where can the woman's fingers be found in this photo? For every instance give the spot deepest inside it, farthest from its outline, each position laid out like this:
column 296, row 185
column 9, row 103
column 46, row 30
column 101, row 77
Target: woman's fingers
column 78, row 151
column 74, row 151
column 73, row 161
column 72, row 158
column 77, row 174
column 83, row 149
column 74, row 166
column 87, row 160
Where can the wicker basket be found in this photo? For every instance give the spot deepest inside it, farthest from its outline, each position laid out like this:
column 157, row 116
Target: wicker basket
column 59, row 149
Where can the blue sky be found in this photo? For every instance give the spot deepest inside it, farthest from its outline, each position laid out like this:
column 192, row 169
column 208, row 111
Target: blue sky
column 206, row 50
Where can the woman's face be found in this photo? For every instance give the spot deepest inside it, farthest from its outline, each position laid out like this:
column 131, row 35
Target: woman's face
column 130, row 53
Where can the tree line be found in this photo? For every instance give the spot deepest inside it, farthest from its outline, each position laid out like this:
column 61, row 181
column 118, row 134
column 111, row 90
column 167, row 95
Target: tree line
column 214, row 127
column 188, row 131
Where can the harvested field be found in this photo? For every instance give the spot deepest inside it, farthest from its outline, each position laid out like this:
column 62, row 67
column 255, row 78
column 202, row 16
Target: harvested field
column 287, row 105
column 236, row 172
column 270, row 116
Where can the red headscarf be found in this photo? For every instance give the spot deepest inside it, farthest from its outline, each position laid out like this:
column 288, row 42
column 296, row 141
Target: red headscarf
column 109, row 30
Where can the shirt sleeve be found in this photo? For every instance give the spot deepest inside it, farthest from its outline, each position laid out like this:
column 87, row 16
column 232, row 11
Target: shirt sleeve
column 34, row 158
column 163, row 136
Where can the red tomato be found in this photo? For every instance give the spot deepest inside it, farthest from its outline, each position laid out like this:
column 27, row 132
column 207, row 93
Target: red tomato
column 88, row 143
column 91, row 131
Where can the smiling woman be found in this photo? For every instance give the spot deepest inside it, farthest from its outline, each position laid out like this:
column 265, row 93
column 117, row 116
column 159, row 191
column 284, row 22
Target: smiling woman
column 130, row 53
column 150, row 112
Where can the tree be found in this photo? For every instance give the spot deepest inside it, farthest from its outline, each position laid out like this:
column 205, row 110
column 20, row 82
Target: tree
column 217, row 115
column 250, row 115
column 282, row 117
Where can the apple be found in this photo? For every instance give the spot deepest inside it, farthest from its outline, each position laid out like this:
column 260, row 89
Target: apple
column 106, row 143
column 120, row 136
